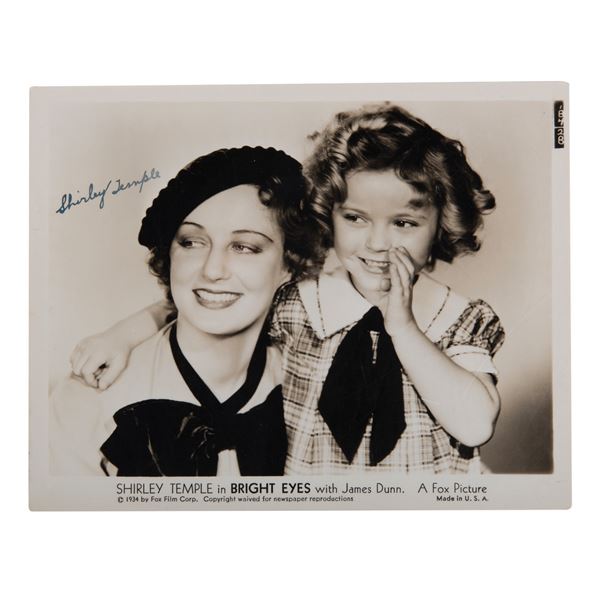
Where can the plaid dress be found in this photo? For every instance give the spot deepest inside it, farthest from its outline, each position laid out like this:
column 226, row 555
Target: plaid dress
column 309, row 321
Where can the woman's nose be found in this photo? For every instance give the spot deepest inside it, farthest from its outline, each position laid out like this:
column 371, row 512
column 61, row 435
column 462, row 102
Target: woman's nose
column 215, row 266
column 378, row 239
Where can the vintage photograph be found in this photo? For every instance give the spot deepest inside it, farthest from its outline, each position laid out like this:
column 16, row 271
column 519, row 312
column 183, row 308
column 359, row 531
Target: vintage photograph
column 300, row 297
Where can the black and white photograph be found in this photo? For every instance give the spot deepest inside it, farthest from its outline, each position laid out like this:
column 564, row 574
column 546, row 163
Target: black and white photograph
column 319, row 297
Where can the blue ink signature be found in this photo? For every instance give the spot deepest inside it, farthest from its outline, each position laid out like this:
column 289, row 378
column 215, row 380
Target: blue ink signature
column 154, row 174
column 67, row 202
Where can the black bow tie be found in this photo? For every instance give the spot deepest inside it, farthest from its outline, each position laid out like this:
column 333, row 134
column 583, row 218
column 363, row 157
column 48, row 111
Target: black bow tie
column 364, row 381
column 172, row 438
column 168, row 437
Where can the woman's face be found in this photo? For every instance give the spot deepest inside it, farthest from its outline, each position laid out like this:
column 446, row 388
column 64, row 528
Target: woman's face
column 381, row 212
column 226, row 263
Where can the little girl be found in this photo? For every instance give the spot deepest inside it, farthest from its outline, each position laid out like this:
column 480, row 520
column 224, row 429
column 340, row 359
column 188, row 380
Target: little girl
column 384, row 368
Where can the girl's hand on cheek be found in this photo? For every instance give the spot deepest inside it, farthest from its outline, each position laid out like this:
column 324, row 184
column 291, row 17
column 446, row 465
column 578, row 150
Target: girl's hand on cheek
column 398, row 313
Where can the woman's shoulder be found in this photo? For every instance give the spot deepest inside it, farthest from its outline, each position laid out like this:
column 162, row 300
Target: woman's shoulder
column 73, row 402
column 271, row 380
column 75, row 426
column 146, row 352
column 136, row 379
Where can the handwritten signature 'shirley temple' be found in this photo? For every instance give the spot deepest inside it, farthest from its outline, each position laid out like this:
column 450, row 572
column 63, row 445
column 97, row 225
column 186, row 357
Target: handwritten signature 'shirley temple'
column 67, row 201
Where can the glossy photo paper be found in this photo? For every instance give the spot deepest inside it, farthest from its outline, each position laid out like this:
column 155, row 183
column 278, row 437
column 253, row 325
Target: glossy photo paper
column 303, row 297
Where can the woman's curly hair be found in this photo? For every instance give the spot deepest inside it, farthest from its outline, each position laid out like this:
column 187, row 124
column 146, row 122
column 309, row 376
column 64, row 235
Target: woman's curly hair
column 280, row 185
column 382, row 137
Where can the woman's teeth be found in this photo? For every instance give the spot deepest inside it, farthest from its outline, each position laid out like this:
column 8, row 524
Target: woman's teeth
column 216, row 295
column 216, row 299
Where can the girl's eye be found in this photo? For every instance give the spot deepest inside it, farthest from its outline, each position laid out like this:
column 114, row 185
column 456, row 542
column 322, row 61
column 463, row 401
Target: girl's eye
column 245, row 248
column 404, row 224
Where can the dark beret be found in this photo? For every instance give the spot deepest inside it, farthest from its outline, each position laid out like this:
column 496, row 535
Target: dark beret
column 216, row 172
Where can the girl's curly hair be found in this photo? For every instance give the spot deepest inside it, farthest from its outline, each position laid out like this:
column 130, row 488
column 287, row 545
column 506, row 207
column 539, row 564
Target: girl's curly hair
column 382, row 137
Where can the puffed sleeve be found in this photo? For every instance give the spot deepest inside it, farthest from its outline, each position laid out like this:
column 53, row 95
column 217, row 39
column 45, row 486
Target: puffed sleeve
column 475, row 338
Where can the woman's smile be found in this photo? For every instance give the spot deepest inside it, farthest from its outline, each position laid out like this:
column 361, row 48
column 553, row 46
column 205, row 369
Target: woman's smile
column 215, row 299
column 226, row 263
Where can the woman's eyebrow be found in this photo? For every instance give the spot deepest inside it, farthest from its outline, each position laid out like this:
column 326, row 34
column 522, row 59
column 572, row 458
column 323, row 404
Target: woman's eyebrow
column 192, row 223
column 348, row 206
column 238, row 231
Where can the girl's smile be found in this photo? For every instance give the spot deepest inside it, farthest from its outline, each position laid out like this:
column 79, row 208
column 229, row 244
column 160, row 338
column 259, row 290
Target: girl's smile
column 375, row 266
column 381, row 212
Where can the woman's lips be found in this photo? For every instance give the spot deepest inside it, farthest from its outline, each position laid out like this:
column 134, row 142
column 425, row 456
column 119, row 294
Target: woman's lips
column 377, row 267
column 216, row 300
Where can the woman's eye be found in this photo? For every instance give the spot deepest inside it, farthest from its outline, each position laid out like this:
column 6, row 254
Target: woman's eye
column 186, row 242
column 353, row 218
column 245, row 248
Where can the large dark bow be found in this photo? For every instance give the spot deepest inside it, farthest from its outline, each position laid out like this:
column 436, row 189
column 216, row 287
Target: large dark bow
column 168, row 437
column 171, row 438
column 364, row 381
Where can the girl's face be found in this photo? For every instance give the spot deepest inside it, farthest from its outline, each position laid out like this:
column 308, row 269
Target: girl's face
column 381, row 212
column 226, row 263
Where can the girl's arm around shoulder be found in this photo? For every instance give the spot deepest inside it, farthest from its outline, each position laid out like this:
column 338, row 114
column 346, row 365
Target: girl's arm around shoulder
column 101, row 358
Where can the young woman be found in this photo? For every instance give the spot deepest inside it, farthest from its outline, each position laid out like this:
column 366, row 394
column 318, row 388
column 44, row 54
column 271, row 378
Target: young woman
column 202, row 396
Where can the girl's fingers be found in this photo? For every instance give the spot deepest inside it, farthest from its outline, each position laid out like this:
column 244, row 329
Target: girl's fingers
column 404, row 270
column 80, row 356
column 107, row 376
column 89, row 378
column 78, row 361
column 92, row 369
column 395, row 277
column 406, row 259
